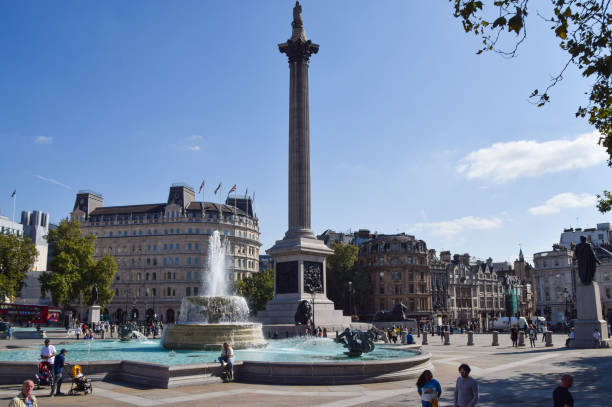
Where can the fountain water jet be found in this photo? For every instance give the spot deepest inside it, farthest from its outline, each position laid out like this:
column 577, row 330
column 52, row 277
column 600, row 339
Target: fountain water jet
column 205, row 322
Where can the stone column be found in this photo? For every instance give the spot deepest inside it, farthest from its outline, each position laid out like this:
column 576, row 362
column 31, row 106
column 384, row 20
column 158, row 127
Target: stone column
column 521, row 338
column 424, row 338
column 470, row 338
column 446, row 338
column 549, row 338
column 495, row 338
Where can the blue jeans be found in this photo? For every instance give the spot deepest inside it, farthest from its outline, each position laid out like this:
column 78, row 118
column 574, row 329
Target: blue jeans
column 229, row 361
column 425, row 403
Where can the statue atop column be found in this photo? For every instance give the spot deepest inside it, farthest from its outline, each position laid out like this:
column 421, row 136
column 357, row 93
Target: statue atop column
column 298, row 33
column 94, row 295
column 587, row 261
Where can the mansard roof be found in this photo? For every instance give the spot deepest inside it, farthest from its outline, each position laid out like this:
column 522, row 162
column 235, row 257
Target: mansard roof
column 159, row 207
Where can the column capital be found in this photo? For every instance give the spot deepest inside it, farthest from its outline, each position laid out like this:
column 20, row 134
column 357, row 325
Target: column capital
column 298, row 50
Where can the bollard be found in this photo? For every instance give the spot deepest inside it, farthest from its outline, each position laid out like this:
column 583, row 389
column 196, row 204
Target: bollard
column 521, row 341
column 418, row 333
column 403, row 335
column 549, row 338
column 424, row 338
column 470, row 338
column 495, row 338
column 446, row 338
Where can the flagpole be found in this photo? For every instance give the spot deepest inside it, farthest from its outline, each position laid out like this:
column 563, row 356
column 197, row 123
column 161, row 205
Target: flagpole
column 14, row 200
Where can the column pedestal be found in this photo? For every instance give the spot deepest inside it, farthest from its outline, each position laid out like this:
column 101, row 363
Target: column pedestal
column 94, row 314
column 589, row 317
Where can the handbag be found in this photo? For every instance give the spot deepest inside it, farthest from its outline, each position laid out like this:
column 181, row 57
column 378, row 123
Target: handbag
column 434, row 402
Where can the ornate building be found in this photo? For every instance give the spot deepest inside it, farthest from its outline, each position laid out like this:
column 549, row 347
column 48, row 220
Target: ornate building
column 161, row 248
column 439, row 283
column 398, row 271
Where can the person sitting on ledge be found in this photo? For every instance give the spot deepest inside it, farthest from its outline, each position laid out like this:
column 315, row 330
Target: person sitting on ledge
column 227, row 357
column 570, row 338
column 409, row 339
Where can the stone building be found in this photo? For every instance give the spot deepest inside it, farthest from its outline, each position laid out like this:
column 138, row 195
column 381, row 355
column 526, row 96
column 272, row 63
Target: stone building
column 161, row 248
column 439, row 283
column 555, row 285
column 398, row 272
column 599, row 236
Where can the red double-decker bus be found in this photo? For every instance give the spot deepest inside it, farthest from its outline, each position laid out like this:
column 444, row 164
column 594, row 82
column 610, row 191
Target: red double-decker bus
column 34, row 314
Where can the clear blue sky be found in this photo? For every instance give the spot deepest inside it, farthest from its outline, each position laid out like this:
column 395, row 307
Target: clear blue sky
column 410, row 130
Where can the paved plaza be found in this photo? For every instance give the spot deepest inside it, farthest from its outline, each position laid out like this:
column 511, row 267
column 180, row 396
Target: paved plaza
column 507, row 377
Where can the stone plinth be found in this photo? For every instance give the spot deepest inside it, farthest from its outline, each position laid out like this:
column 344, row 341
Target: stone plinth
column 588, row 303
column 521, row 338
column 94, row 314
column 211, row 336
column 495, row 336
column 425, row 338
column 470, row 338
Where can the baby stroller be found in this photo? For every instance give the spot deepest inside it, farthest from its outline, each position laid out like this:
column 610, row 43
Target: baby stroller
column 44, row 376
column 80, row 384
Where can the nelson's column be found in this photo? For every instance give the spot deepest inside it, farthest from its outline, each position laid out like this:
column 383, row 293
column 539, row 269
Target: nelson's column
column 299, row 258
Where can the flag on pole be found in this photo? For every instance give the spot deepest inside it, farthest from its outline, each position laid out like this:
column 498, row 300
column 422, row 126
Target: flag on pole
column 232, row 189
column 14, row 192
column 246, row 192
column 218, row 188
column 201, row 186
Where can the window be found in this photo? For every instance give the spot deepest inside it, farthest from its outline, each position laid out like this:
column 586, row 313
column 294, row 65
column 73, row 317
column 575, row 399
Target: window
column 133, row 233
column 411, row 288
column 110, row 234
column 154, row 231
column 188, row 260
column 382, row 289
column 188, row 291
column 381, row 276
column 154, row 247
column 165, row 246
column 195, row 275
column 165, row 261
column 189, row 246
column 147, row 276
column 396, row 276
column 154, row 292
column 398, row 290
column 171, row 246
column 189, row 275
column 190, row 231
column 176, row 260
column 195, row 290
column 381, row 261
column 140, row 233
column 165, row 231
column 409, row 260
column 148, row 247
column 197, row 246
column 178, row 230
column 196, row 260
column 178, row 246
column 154, row 276
column 381, row 305
column 197, row 231
column 148, row 262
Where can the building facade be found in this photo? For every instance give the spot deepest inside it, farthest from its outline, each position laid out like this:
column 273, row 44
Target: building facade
column 397, row 267
column 439, row 284
column 599, row 236
column 161, row 248
column 555, row 284
column 36, row 227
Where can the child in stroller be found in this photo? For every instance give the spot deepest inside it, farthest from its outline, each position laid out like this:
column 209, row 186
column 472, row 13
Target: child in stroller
column 44, row 376
column 80, row 384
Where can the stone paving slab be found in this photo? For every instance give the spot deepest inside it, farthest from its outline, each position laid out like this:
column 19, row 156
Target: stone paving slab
column 507, row 377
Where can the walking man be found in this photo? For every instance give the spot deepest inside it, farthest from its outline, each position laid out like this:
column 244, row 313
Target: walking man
column 596, row 337
column 466, row 388
column 58, row 371
column 561, row 396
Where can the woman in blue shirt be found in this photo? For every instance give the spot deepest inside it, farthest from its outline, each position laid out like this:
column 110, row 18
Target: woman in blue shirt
column 429, row 389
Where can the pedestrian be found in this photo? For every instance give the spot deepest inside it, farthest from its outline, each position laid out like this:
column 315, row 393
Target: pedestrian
column 532, row 336
column 48, row 353
column 561, row 396
column 25, row 398
column 58, row 371
column 9, row 332
column 596, row 337
column 544, row 330
column 514, row 337
column 570, row 338
column 466, row 388
column 429, row 389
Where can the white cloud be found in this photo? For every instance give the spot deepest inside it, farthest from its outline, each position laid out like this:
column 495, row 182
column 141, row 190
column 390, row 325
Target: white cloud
column 563, row 201
column 196, row 137
column 449, row 228
column 193, row 148
column 503, row 162
column 43, row 140
column 53, row 181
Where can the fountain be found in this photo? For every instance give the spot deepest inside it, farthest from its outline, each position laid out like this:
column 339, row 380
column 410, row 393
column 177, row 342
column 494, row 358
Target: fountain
column 205, row 322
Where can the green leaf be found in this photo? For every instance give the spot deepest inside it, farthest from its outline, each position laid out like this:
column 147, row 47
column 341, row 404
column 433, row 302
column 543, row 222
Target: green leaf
column 499, row 22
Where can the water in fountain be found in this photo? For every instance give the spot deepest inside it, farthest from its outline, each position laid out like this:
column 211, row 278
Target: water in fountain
column 207, row 321
column 216, row 281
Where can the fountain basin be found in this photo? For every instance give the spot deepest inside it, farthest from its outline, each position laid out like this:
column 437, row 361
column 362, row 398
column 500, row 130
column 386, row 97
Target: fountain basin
column 198, row 336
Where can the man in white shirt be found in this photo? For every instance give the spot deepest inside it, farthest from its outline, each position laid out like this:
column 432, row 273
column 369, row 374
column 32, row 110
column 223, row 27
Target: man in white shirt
column 48, row 353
